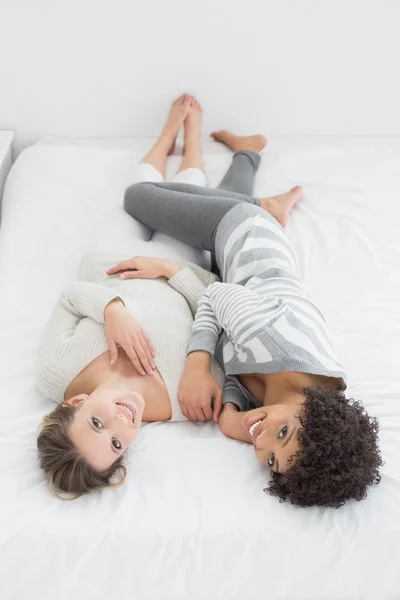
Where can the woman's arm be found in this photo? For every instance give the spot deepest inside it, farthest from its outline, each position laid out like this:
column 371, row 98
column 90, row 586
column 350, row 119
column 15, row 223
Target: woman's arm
column 231, row 423
column 187, row 283
column 228, row 307
column 206, row 328
column 66, row 347
column 79, row 300
column 223, row 307
column 63, row 344
column 190, row 280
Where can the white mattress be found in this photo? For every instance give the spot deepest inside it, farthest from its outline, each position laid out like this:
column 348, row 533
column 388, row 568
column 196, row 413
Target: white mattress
column 192, row 521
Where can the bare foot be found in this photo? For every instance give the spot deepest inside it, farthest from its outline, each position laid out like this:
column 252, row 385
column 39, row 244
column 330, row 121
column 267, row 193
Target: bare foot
column 255, row 143
column 280, row 206
column 177, row 114
column 192, row 148
column 192, row 125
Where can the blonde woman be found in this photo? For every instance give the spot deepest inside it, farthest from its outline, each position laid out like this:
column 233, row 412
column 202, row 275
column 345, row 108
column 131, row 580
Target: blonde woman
column 114, row 349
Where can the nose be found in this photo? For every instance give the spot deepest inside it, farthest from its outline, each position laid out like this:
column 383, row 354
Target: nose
column 261, row 441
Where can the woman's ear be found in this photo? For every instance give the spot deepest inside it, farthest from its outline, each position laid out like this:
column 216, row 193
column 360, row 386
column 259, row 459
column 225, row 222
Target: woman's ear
column 76, row 400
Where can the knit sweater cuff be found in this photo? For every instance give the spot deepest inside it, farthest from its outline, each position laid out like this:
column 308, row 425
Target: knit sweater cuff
column 90, row 299
column 189, row 285
column 203, row 340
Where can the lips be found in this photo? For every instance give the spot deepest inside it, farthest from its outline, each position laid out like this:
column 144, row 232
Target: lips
column 129, row 409
column 254, row 426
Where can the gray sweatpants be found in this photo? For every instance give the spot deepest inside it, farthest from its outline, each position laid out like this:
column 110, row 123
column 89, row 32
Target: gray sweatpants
column 190, row 213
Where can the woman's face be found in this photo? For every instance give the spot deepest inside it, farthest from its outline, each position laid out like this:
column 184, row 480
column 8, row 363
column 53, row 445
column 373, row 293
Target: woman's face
column 105, row 424
column 273, row 430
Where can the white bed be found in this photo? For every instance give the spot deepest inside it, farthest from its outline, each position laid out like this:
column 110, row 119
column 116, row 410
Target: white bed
column 192, row 521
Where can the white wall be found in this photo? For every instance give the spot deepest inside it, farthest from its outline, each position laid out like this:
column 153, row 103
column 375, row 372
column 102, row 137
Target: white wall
column 109, row 67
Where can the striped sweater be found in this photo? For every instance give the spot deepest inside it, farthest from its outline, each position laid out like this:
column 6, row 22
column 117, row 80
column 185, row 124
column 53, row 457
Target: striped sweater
column 261, row 319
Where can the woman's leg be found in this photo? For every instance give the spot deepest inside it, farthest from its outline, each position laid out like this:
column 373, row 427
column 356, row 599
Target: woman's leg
column 192, row 132
column 191, row 213
column 165, row 145
column 240, row 178
column 117, row 232
column 241, row 174
column 190, row 171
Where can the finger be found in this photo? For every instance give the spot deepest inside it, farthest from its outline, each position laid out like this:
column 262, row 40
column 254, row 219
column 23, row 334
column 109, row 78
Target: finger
column 184, row 410
column 150, row 345
column 133, row 275
column 217, row 405
column 134, row 358
column 187, row 410
column 113, row 351
column 122, row 266
column 191, row 413
column 208, row 412
column 198, row 411
column 143, row 357
column 148, row 348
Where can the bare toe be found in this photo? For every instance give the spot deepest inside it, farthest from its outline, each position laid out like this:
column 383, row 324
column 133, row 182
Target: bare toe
column 178, row 100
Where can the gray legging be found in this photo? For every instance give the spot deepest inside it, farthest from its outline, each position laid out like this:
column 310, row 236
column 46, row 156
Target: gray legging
column 191, row 213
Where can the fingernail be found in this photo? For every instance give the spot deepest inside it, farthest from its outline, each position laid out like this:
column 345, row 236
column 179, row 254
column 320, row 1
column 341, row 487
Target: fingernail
column 153, row 366
column 122, row 276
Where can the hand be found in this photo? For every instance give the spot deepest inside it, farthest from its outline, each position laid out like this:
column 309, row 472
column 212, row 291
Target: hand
column 143, row 267
column 198, row 389
column 123, row 329
column 231, row 423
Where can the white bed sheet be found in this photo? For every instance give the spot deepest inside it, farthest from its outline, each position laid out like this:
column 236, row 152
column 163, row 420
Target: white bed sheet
column 192, row 522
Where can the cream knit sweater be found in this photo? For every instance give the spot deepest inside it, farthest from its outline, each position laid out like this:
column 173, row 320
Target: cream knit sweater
column 75, row 334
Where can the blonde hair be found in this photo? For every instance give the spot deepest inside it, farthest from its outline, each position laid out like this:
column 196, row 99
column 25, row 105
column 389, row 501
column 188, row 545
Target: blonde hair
column 66, row 470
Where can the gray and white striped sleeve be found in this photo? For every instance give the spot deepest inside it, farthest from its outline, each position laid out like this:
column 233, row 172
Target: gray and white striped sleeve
column 206, row 329
column 233, row 394
column 235, row 309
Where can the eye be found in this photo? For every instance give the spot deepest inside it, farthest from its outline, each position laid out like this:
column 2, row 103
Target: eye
column 117, row 444
column 282, row 432
column 271, row 460
column 97, row 423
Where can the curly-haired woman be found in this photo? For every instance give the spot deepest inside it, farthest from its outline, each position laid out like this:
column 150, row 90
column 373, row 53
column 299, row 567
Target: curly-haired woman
column 284, row 385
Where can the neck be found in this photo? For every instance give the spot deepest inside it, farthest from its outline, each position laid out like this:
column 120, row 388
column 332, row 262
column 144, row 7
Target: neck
column 123, row 375
column 284, row 388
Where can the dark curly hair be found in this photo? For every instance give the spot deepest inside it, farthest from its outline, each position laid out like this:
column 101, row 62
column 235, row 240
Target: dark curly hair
column 338, row 457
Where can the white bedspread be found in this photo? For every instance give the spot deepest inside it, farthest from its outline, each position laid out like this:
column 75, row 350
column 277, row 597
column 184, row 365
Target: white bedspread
column 192, row 521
